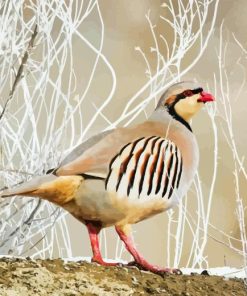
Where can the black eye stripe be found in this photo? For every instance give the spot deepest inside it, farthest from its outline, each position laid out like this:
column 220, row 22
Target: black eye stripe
column 183, row 96
column 188, row 93
column 180, row 96
column 197, row 90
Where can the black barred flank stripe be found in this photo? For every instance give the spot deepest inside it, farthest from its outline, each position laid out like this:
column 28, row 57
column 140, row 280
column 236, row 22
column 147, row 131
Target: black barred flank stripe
column 148, row 139
column 137, row 157
column 110, row 170
column 160, row 172
column 155, row 160
column 168, row 173
column 153, row 144
column 143, row 171
column 174, row 174
column 166, row 181
column 132, row 177
column 180, row 171
column 125, row 163
column 131, row 181
column 153, row 167
column 133, row 172
column 122, row 149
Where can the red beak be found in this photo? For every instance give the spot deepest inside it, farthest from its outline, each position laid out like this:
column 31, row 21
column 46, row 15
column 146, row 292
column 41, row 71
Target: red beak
column 206, row 97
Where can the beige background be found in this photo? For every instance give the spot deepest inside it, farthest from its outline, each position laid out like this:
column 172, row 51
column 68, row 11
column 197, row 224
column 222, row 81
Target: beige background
column 125, row 28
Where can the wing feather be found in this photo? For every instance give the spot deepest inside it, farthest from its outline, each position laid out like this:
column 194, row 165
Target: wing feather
column 94, row 155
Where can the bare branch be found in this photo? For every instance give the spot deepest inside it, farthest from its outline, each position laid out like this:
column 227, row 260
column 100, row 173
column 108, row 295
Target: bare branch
column 20, row 70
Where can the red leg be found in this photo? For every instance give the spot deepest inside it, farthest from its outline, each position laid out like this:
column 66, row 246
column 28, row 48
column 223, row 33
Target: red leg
column 129, row 244
column 93, row 232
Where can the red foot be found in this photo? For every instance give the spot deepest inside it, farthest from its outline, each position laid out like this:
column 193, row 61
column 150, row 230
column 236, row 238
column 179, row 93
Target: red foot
column 102, row 262
column 93, row 231
column 144, row 265
column 140, row 262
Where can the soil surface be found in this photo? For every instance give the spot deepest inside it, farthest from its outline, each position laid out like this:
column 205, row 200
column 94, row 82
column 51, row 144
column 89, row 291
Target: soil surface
column 20, row 277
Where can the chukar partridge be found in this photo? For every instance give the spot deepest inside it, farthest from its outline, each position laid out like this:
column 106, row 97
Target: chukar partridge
column 125, row 175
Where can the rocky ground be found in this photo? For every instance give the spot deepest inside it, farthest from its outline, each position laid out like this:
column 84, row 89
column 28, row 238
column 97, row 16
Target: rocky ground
column 20, row 277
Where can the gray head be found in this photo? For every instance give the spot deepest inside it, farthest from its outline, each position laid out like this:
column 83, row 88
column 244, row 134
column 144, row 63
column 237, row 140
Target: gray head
column 184, row 99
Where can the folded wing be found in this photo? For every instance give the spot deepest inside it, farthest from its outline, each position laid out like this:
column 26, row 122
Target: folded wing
column 94, row 155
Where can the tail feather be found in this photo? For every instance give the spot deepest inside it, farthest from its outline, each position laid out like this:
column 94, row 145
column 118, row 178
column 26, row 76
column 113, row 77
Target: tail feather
column 27, row 187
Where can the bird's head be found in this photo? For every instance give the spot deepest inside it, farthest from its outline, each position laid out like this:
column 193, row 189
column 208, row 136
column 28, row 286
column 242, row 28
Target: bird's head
column 184, row 99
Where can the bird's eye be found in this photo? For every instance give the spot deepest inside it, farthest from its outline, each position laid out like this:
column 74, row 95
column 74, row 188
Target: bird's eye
column 188, row 93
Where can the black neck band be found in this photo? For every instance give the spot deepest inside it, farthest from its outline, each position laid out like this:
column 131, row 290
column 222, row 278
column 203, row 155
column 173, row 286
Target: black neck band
column 174, row 114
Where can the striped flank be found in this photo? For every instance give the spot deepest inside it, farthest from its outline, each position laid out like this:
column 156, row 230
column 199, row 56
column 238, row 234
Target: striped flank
column 146, row 167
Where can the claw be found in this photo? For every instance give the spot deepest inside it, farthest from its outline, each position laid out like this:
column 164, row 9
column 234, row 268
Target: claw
column 170, row 271
column 139, row 261
column 178, row 272
column 100, row 261
column 154, row 268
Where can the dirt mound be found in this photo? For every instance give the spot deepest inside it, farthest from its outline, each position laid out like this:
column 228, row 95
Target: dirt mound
column 20, row 277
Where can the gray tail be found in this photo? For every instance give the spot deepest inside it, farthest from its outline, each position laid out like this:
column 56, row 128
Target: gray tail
column 27, row 187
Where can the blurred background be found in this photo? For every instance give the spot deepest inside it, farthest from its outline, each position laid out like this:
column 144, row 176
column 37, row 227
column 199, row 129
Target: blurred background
column 81, row 80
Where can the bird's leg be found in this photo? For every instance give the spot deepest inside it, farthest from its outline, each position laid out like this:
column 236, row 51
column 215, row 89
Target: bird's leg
column 93, row 231
column 125, row 235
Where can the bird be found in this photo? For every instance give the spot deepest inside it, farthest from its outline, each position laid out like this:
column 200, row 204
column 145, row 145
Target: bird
column 127, row 174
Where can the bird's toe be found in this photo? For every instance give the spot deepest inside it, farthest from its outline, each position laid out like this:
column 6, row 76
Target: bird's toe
column 154, row 268
column 104, row 263
column 167, row 271
column 176, row 271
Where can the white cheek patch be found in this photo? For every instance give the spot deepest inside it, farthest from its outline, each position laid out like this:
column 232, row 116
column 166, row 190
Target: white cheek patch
column 188, row 107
